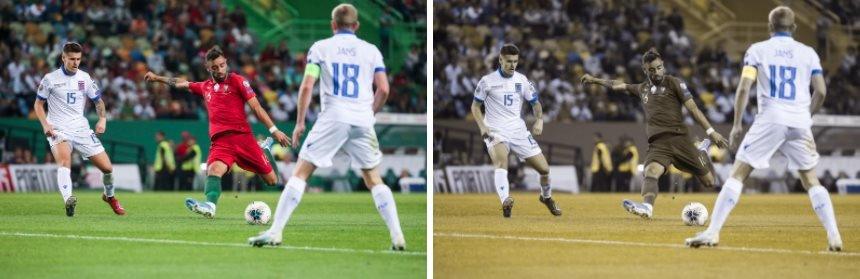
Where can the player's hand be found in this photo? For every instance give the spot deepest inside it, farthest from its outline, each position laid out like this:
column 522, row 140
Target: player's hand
column 297, row 133
column 537, row 129
column 586, row 79
column 101, row 126
column 282, row 138
column 49, row 130
column 735, row 137
column 719, row 140
column 150, row 76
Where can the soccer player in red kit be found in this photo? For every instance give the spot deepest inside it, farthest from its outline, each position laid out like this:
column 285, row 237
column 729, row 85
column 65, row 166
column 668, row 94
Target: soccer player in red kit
column 225, row 95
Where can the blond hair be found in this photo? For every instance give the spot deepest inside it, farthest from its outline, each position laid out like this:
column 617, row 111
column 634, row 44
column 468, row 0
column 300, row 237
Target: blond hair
column 344, row 15
column 781, row 19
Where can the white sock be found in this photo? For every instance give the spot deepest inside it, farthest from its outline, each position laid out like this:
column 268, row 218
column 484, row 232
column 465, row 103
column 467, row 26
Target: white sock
column 502, row 187
column 387, row 208
column 108, row 181
column 64, row 182
column 545, row 190
column 824, row 209
column 726, row 200
column 290, row 198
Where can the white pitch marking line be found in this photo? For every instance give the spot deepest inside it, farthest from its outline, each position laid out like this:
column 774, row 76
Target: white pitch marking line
column 644, row 244
column 201, row 243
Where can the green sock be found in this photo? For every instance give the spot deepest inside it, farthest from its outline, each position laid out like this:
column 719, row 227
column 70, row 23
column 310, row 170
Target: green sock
column 274, row 164
column 213, row 188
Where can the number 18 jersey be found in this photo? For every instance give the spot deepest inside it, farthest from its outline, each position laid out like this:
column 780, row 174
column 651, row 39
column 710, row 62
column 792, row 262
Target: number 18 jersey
column 347, row 66
column 784, row 71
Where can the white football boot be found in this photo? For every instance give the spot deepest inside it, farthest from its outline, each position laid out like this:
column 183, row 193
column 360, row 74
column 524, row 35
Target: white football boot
column 643, row 210
column 206, row 209
column 703, row 238
column 266, row 238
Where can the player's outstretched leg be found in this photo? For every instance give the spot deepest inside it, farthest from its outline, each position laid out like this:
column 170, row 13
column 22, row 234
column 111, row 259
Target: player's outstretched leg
column 208, row 208
column 726, row 201
column 266, row 145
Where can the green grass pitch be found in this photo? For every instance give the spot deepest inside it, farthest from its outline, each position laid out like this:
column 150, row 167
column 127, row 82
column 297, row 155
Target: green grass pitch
column 766, row 236
column 329, row 236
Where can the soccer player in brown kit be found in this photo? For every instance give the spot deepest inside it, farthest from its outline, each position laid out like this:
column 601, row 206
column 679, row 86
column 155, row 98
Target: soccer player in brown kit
column 669, row 142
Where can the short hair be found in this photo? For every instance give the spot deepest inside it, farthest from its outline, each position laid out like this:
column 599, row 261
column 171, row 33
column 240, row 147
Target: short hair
column 781, row 19
column 650, row 56
column 72, row 47
column 213, row 53
column 509, row 49
column 344, row 15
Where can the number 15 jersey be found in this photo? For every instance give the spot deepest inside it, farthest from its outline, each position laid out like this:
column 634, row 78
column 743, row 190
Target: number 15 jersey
column 503, row 98
column 347, row 66
column 784, row 71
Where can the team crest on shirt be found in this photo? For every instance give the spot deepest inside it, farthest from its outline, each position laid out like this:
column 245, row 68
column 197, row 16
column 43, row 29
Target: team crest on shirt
column 81, row 85
column 518, row 87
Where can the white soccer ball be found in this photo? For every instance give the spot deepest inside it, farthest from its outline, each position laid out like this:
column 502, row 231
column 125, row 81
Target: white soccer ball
column 694, row 214
column 258, row 213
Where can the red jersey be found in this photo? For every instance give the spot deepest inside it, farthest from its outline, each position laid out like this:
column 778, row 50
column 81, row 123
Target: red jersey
column 225, row 102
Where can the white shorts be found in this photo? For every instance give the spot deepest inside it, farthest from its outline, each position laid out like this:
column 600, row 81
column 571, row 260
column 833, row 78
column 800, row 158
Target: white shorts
column 328, row 137
column 765, row 139
column 85, row 141
column 523, row 145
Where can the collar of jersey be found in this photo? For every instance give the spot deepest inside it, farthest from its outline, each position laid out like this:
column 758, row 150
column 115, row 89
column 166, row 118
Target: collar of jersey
column 503, row 74
column 344, row 32
column 66, row 72
column 781, row 34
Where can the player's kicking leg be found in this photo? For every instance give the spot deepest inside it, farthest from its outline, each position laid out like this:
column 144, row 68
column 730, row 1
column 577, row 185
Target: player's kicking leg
column 499, row 156
column 102, row 162
column 63, row 154
column 539, row 163
column 645, row 209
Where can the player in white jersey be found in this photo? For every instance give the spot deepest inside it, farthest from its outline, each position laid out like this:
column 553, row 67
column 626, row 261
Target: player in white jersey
column 65, row 90
column 348, row 67
column 783, row 69
column 502, row 93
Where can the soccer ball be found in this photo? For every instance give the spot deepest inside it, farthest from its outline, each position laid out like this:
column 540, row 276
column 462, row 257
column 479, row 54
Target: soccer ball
column 258, row 213
column 694, row 214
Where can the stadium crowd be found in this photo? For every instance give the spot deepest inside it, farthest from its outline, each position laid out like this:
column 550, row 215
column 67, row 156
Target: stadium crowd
column 560, row 40
column 123, row 39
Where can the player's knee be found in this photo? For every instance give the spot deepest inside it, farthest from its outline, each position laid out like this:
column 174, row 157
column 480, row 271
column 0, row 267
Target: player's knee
column 653, row 170
column 542, row 170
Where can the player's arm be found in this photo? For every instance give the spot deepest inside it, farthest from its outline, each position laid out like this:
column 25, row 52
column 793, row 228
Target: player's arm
column 39, row 109
column 173, row 82
column 263, row 116
column 537, row 109
column 312, row 72
column 819, row 91
column 380, row 79
column 748, row 75
column 479, row 116
column 615, row 85
column 101, row 125
column 697, row 114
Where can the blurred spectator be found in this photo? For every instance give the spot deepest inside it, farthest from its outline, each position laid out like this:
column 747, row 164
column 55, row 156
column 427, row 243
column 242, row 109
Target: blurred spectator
column 601, row 165
column 164, row 165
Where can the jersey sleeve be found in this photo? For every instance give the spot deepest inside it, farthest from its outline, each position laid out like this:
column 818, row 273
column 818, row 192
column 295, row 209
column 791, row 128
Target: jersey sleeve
column 196, row 88
column 481, row 91
column 93, row 91
column 530, row 93
column 315, row 55
column 751, row 58
column 815, row 64
column 244, row 86
column 44, row 89
column 378, row 63
column 682, row 91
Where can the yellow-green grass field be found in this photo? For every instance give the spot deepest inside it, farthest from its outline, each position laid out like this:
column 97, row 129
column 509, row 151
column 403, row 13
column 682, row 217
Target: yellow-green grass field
column 766, row 236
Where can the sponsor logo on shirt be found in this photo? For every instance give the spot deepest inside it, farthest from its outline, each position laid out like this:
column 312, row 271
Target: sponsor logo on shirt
column 518, row 87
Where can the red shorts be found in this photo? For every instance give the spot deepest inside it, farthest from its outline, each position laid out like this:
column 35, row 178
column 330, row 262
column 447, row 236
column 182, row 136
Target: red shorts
column 239, row 148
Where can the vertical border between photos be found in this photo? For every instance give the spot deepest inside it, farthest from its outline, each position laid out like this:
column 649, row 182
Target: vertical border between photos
column 429, row 153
